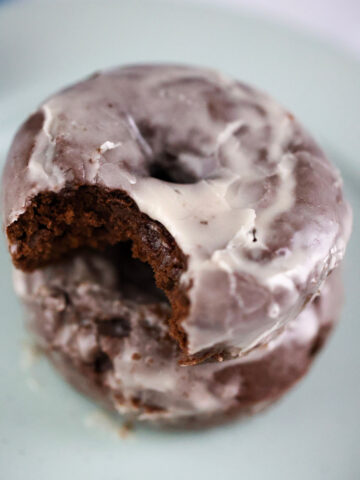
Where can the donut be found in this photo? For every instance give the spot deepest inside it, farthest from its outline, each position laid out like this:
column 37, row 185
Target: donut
column 218, row 188
column 113, row 344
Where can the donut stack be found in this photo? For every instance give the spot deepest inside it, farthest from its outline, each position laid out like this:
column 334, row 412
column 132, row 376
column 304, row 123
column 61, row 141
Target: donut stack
column 173, row 232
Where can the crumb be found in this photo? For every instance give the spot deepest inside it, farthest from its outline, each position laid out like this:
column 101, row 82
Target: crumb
column 126, row 430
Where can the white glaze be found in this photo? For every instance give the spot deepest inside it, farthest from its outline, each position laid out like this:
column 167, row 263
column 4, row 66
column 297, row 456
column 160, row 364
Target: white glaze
column 212, row 220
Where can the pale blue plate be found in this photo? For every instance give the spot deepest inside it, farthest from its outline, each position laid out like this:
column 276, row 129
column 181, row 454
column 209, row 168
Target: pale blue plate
column 45, row 427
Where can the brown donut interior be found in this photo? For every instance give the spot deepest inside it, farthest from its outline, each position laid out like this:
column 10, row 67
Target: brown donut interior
column 56, row 224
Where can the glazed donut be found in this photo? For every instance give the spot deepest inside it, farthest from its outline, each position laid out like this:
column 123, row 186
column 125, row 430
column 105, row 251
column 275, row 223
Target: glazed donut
column 110, row 339
column 219, row 189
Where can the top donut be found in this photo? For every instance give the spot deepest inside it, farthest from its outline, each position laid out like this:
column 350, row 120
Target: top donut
column 232, row 203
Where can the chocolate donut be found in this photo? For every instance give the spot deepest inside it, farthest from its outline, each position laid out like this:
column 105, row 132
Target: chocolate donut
column 219, row 189
column 109, row 337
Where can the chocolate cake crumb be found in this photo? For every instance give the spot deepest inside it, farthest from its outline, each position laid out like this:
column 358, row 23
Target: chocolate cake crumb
column 126, row 429
column 56, row 224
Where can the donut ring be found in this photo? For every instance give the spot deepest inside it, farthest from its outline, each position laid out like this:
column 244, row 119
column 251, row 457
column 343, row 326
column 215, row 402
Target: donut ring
column 219, row 188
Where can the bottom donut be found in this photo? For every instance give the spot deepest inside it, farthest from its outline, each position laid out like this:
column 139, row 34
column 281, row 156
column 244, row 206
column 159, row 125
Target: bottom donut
column 105, row 329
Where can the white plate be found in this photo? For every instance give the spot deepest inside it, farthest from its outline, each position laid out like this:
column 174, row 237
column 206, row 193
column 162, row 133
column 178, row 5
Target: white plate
column 314, row 433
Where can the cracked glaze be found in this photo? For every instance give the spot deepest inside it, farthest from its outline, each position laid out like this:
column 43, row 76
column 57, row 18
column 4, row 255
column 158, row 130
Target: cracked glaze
column 245, row 192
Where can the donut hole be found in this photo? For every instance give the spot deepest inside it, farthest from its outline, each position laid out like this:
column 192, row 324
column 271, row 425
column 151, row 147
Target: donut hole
column 170, row 168
column 173, row 162
column 168, row 163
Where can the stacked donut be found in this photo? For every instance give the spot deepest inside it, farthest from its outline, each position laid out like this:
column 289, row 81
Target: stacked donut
column 173, row 233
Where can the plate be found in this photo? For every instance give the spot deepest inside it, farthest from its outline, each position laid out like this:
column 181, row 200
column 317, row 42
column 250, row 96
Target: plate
column 48, row 431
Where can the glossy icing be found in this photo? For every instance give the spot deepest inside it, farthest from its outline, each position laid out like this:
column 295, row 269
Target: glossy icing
column 247, row 195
